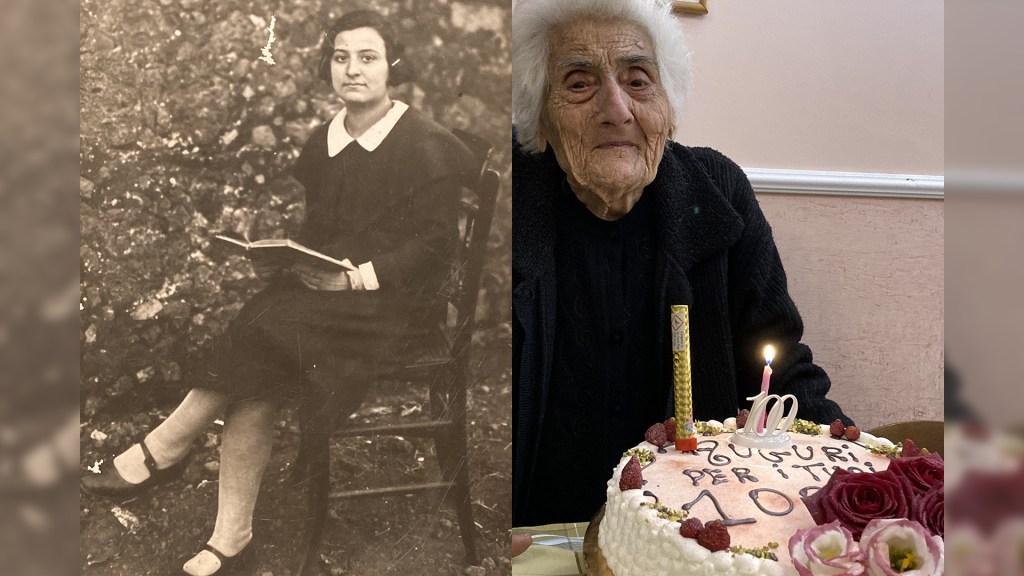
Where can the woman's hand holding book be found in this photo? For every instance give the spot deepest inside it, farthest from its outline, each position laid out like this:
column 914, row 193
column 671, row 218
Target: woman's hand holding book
column 316, row 278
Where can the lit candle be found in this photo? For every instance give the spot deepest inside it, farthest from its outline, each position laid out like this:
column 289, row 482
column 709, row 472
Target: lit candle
column 769, row 355
column 686, row 434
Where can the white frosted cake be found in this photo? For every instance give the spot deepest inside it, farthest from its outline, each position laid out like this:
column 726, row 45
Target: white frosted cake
column 757, row 494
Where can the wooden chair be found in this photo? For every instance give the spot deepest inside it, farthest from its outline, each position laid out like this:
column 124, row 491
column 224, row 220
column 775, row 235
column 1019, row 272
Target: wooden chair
column 925, row 433
column 444, row 373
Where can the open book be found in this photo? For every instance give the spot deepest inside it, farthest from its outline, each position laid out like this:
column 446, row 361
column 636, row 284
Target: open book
column 289, row 250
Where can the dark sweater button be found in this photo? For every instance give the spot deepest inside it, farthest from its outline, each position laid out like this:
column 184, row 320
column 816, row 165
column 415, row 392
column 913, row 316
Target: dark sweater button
column 614, row 234
column 615, row 336
column 616, row 409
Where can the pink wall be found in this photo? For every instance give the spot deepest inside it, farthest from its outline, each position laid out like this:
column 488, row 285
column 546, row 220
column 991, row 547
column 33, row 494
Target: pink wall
column 806, row 84
column 851, row 87
column 867, row 275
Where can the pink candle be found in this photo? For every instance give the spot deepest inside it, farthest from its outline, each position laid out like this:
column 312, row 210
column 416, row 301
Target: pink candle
column 769, row 355
column 765, row 378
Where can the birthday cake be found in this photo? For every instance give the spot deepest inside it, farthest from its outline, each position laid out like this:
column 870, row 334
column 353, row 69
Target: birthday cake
column 820, row 504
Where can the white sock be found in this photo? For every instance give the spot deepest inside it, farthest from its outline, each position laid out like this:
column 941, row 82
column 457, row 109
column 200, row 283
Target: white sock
column 202, row 564
column 130, row 466
column 206, row 563
column 170, row 441
column 245, row 451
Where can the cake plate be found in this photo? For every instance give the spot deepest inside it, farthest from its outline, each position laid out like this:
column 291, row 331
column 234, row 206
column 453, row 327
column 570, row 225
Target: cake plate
column 596, row 565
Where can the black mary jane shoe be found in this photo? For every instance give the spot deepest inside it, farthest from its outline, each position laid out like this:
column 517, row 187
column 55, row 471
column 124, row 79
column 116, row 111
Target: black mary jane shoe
column 241, row 564
column 110, row 483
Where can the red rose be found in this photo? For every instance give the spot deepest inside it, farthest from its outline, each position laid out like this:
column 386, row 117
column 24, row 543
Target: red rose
column 924, row 474
column 930, row 510
column 988, row 499
column 854, row 499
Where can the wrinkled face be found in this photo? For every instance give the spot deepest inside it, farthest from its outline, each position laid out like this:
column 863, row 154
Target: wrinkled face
column 359, row 67
column 607, row 116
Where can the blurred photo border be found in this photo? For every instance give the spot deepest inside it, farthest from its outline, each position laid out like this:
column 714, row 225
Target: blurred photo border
column 984, row 241
column 39, row 216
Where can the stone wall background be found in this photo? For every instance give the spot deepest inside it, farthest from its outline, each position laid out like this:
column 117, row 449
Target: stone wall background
column 185, row 133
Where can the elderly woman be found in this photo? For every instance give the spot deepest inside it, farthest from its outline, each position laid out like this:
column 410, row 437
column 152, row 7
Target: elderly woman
column 613, row 223
column 382, row 185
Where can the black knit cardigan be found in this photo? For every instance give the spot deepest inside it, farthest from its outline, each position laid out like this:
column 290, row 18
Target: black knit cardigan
column 716, row 254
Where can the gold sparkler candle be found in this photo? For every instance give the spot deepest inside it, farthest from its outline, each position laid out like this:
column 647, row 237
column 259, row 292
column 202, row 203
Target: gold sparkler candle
column 686, row 435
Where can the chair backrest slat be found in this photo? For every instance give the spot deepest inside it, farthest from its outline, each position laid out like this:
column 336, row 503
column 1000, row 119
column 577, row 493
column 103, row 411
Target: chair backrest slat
column 478, row 214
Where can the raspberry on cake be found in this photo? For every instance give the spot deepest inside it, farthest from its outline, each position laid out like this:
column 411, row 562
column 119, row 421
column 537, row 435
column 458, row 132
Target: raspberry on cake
column 631, row 478
column 656, row 435
column 741, row 418
column 714, row 536
column 910, row 449
column 837, row 429
column 690, row 528
column 670, row 429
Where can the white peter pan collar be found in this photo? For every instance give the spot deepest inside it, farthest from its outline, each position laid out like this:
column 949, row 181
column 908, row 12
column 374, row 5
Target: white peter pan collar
column 338, row 138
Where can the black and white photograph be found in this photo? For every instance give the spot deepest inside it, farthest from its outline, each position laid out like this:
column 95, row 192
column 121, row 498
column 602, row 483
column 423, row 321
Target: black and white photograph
column 295, row 340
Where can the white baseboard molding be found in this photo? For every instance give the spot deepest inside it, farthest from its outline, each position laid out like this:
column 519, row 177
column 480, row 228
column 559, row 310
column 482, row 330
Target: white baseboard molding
column 986, row 181
column 769, row 180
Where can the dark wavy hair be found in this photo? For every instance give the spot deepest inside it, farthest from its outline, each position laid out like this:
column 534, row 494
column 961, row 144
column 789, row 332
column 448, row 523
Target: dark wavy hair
column 399, row 69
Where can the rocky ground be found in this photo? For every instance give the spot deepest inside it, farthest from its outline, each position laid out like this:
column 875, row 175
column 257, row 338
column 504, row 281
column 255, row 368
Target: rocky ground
column 154, row 533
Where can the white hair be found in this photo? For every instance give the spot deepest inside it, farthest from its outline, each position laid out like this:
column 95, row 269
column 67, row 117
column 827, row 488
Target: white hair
column 532, row 24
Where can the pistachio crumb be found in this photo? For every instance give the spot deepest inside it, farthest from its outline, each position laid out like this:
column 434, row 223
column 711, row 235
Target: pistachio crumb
column 707, row 429
column 643, row 455
column 805, row 427
column 764, row 552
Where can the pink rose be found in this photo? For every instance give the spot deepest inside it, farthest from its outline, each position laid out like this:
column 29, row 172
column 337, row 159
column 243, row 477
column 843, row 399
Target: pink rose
column 827, row 550
column 901, row 547
column 854, row 499
column 923, row 473
column 930, row 511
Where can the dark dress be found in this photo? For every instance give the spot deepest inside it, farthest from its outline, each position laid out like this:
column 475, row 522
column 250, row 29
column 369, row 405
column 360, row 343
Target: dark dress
column 395, row 207
column 604, row 355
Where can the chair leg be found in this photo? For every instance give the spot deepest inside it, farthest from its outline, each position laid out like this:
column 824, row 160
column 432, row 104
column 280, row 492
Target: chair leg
column 300, row 468
column 318, row 461
column 464, row 509
column 453, row 458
